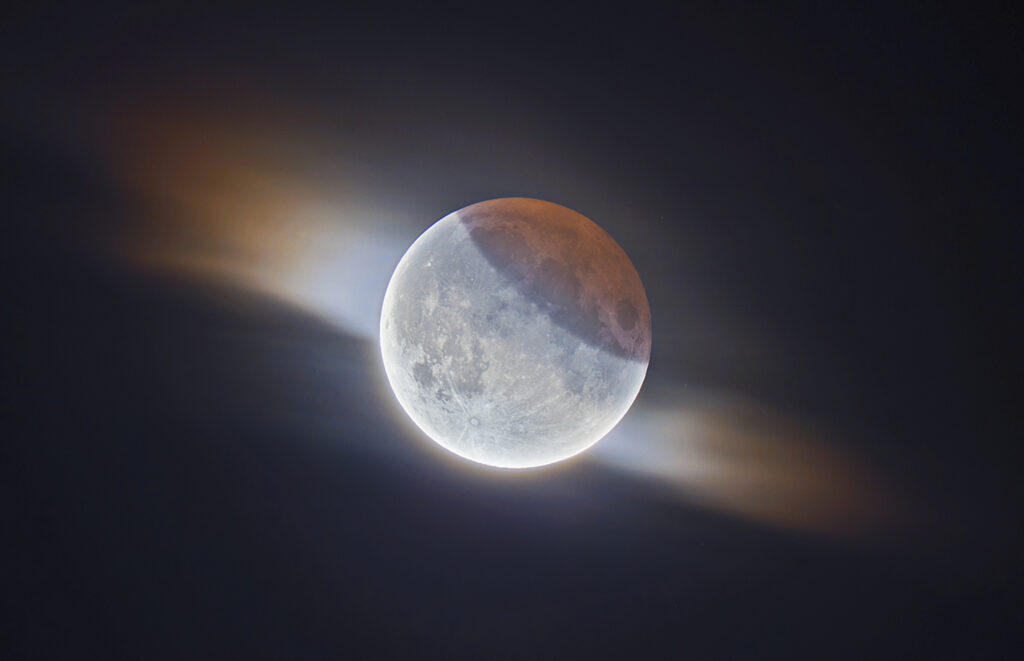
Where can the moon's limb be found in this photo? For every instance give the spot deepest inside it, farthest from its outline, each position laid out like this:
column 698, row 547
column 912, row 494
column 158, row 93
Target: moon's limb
column 515, row 333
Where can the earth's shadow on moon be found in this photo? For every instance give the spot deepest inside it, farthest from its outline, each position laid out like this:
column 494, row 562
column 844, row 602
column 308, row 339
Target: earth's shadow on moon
column 577, row 252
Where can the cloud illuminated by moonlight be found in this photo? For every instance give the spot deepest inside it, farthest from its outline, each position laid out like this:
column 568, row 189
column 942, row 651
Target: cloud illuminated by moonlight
column 232, row 200
column 260, row 204
column 729, row 453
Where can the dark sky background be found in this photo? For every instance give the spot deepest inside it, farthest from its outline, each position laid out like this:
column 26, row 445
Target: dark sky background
column 818, row 202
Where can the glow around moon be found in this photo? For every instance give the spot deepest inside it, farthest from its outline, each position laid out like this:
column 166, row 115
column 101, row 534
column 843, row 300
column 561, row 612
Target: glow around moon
column 515, row 333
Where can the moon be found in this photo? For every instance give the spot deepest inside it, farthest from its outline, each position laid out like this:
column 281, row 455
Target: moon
column 515, row 333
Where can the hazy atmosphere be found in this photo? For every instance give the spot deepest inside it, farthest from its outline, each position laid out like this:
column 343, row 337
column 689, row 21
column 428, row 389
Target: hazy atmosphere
column 204, row 458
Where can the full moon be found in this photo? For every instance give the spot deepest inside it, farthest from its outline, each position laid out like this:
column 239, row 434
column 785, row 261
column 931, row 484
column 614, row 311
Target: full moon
column 515, row 333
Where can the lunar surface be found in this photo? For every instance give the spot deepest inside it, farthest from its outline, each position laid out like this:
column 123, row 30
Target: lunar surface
column 515, row 333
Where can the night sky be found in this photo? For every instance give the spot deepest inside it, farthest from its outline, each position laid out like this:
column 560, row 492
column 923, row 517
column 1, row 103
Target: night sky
column 202, row 458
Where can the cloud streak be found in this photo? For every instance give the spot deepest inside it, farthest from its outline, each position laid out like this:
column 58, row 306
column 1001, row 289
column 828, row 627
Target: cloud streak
column 729, row 453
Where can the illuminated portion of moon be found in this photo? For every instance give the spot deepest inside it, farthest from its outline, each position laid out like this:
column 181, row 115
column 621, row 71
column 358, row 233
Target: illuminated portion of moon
column 515, row 333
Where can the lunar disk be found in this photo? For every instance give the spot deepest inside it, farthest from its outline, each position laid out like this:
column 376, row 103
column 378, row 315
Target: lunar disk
column 515, row 332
